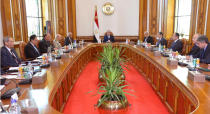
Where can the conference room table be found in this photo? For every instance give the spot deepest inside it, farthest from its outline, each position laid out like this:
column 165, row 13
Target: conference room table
column 178, row 93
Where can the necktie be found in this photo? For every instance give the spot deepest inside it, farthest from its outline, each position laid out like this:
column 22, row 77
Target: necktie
column 14, row 57
column 202, row 54
column 36, row 50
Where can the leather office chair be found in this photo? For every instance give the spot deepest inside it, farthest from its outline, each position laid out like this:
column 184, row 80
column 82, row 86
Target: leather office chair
column 21, row 49
column 184, row 48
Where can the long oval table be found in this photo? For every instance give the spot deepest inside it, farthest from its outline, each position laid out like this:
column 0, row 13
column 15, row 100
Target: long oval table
column 177, row 92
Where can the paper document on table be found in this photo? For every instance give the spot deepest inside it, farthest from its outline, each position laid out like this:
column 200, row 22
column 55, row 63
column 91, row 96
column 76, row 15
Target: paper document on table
column 2, row 87
column 11, row 76
column 13, row 68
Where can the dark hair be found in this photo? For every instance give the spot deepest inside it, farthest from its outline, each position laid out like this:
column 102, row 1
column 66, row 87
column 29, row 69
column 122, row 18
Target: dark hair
column 32, row 37
column 160, row 33
column 177, row 34
column 203, row 38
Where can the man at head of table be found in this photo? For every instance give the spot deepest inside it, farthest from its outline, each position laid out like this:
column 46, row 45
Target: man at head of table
column 204, row 53
column 9, row 57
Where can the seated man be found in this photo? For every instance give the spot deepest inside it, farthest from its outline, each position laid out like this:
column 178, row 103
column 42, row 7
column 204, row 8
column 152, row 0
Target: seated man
column 45, row 43
column 68, row 39
column 162, row 41
column 9, row 57
column 56, row 41
column 31, row 51
column 195, row 49
column 148, row 38
column 177, row 44
column 204, row 45
column 108, row 37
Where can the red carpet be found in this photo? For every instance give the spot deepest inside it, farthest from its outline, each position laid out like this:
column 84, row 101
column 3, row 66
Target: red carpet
column 145, row 100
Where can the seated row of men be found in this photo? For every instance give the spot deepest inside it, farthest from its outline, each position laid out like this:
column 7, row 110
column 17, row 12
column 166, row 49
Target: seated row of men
column 9, row 57
column 200, row 49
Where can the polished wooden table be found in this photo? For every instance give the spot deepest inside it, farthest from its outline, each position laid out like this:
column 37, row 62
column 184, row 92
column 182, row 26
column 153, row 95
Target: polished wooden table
column 177, row 92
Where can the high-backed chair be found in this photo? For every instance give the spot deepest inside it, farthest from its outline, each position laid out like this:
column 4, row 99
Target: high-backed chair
column 184, row 48
column 21, row 49
column 169, row 42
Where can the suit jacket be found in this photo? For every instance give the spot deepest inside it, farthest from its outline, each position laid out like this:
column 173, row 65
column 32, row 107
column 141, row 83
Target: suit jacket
column 106, row 38
column 68, row 41
column 31, row 52
column 149, row 40
column 43, row 46
column 194, row 51
column 204, row 56
column 7, row 59
column 177, row 46
column 162, row 41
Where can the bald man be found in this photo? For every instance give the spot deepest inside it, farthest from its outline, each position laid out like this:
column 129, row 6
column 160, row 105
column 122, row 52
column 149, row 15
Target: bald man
column 195, row 49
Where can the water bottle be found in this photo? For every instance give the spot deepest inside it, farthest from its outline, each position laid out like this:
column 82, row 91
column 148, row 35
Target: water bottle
column 159, row 48
column 138, row 42
column 15, row 108
column 75, row 43
column 30, row 70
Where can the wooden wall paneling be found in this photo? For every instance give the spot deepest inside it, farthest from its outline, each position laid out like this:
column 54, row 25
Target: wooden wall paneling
column 208, row 23
column 201, row 16
column 72, row 17
column 142, row 18
column 51, row 17
column 24, row 21
column 60, row 17
column 6, row 18
column 169, row 19
column 16, row 20
column 153, row 17
column 193, row 20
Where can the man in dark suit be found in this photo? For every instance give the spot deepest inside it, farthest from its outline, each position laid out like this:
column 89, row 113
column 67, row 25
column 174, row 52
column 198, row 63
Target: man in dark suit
column 148, row 38
column 45, row 43
column 162, row 41
column 31, row 51
column 108, row 37
column 195, row 49
column 204, row 46
column 9, row 57
column 177, row 44
column 68, row 39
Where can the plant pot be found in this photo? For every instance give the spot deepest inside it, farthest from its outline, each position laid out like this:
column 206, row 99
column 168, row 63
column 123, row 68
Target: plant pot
column 100, row 77
column 114, row 105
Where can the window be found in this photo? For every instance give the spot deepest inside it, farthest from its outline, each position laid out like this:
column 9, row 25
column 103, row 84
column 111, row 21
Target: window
column 34, row 18
column 182, row 17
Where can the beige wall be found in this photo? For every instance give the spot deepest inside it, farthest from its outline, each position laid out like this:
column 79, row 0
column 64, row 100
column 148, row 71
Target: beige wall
column 124, row 21
column 1, row 31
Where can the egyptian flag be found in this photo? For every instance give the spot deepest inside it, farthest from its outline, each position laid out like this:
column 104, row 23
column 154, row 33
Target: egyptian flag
column 96, row 27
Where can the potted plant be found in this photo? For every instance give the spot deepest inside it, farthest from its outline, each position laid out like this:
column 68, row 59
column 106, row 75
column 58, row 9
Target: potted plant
column 111, row 57
column 112, row 89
